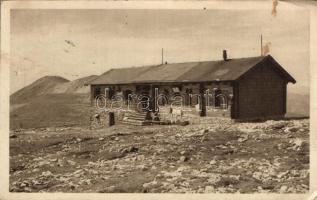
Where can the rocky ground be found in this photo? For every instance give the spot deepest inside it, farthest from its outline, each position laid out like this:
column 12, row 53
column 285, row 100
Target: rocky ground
column 219, row 156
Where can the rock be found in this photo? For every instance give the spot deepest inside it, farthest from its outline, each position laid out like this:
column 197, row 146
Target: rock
column 50, row 129
column 200, row 190
column 183, row 158
column 204, row 131
column 47, row 173
column 268, row 186
column 184, row 123
column 257, row 175
column 216, row 158
column 36, row 170
column 114, row 167
column 209, row 189
column 71, row 162
column 77, row 175
column 13, row 136
column 78, row 171
column 146, row 185
column 286, row 130
column 23, row 185
column 221, row 146
column 212, row 162
column 61, row 162
column 86, row 182
column 282, row 174
column 283, row 189
column 203, row 139
column 243, row 138
column 183, row 152
column 42, row 163
column 129, row 149
column 53, row 160
column 297, row 143
column 72, row 185
column 140, row 158
column 101, row 139
column 142, row 167
column 182, row 168
column 293, row 129
column 109, row 189
column 94, row 172
column 78, row 140
column 150, row 184
column 279, row 126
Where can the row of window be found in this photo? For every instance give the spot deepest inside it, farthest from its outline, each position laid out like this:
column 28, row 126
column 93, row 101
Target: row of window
column 220, row 99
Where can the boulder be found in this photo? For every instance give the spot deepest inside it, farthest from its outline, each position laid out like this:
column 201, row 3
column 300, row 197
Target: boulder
column 183, row 158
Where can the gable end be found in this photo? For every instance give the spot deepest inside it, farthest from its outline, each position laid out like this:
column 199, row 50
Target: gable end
column 269, row 61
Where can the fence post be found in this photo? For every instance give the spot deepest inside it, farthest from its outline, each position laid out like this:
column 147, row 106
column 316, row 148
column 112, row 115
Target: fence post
column 111, row 119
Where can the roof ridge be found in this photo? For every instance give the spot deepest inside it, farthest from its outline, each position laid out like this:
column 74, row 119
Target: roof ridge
column 187, row 71
column 157, row 65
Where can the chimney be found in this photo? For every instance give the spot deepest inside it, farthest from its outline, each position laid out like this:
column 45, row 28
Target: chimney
column 224, row 55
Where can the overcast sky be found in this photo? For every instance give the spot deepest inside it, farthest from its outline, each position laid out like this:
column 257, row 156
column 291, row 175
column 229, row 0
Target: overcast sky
column 78, row 43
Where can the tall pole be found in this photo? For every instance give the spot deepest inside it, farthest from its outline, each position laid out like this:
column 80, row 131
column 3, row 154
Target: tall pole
column 261, row 46
column 162, row 56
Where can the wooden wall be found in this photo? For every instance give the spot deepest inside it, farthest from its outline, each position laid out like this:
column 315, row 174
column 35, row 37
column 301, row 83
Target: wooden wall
column 261, row 94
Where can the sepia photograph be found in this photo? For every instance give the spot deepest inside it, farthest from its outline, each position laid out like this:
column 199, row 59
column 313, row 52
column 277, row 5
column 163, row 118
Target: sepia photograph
column 160, row 100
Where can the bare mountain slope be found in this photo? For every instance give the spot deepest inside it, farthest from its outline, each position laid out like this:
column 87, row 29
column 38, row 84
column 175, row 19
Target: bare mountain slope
column 51, row 101
column 76, row 86
column 298, row 100
column 51, row 110
column 297, row 105
column 42, row 86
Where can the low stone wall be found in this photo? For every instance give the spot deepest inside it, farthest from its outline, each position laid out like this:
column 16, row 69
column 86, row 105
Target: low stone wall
column 100, row 118
column 192, row 115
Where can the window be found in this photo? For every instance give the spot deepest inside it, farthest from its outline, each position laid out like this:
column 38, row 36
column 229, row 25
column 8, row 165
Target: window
column 189, row 92
column 97, row 91
column 127, row 95
column 217, row 98
column 221, row 100
column 176, row 89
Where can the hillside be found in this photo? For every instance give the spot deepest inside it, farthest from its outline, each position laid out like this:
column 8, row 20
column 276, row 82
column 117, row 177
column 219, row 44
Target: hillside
column 51, row 101
column 42, row 86
column 297, row 105
column 76, row 86
column 52, row 110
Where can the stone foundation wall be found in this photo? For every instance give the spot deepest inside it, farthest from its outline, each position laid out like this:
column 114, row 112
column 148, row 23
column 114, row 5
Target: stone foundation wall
column 100, row 118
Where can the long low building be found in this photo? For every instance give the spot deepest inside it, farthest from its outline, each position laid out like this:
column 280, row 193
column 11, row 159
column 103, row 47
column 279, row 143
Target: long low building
column 242, row 88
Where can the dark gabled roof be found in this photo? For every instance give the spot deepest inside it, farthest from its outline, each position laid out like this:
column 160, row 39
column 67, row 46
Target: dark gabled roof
column 221, row 70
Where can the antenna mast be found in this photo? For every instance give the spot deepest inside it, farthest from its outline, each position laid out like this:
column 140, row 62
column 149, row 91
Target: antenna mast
column 261, row 46
column 162, row 56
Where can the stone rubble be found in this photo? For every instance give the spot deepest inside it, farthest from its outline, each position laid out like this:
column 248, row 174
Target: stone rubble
column 216, row 156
